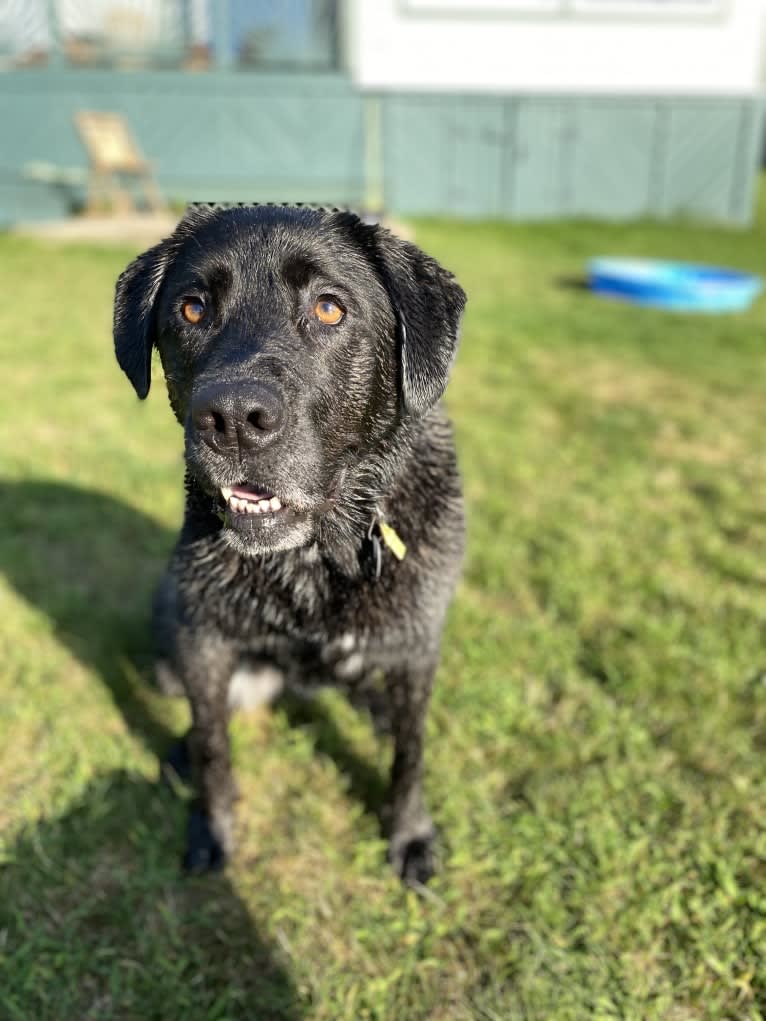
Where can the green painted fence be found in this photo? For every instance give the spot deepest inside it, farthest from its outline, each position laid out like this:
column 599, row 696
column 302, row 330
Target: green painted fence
column 603, row 157
column 226, row 136
column 231, row 136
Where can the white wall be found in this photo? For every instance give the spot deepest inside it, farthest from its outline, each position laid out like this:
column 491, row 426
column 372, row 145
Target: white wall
column 487, row 45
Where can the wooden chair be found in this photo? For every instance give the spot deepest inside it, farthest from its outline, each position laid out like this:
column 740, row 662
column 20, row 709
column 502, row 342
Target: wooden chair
column 113, row 153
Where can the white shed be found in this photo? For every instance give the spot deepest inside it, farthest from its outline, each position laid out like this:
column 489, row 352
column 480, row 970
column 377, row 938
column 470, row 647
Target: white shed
column 542, row 46
column 537, row 108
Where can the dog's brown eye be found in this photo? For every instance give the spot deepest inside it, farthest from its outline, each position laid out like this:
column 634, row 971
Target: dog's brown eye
column 192, row 311
column 328, row 312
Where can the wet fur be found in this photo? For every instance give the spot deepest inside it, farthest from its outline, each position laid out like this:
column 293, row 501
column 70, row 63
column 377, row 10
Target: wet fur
column 365, row 439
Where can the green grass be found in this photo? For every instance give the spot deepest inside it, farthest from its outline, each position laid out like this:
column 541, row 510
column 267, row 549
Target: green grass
column 595, row 756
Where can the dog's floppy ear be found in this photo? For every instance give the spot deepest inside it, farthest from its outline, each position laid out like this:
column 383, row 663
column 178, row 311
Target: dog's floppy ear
column 134, row 301
column 428, row 303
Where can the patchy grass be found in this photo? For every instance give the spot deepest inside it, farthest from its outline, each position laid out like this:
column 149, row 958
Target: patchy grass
column 595, row 756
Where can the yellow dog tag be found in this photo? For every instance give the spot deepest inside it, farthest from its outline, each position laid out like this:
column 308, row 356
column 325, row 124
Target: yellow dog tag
column 391, row 538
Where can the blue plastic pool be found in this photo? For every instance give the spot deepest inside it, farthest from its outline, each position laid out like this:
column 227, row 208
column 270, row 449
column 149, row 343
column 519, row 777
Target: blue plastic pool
column 674, row 285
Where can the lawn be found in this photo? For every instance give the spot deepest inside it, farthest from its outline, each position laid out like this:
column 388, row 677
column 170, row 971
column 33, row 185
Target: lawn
column 595, row 756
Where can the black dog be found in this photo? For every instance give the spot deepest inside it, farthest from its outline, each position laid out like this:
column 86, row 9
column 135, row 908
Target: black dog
column 305, row 353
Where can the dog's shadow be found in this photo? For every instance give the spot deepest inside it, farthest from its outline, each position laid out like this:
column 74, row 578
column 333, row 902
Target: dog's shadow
column 96, row 920
column 94, row 896
column 90, row 563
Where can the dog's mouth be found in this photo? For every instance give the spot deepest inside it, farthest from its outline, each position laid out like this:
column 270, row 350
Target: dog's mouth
column 255, row 520
column 250, row 500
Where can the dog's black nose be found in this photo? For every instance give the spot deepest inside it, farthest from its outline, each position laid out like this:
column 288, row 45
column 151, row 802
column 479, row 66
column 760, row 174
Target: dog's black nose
column 243, row 415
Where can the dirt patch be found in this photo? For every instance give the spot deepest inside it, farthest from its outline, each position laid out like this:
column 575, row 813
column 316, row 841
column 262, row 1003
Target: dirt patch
column 141, row 228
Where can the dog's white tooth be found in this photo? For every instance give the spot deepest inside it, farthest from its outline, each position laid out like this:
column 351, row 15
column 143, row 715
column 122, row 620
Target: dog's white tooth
column 275, row 504
column 251, row 508
column 237, row 505
column 226, row 493
column 264, row 505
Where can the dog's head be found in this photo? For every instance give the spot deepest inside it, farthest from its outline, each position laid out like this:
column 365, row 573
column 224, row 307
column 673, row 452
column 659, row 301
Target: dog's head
column 297, row 344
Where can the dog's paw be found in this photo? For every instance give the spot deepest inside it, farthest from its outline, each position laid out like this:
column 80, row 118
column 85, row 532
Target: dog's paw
column 204, row 851
column 413, row 856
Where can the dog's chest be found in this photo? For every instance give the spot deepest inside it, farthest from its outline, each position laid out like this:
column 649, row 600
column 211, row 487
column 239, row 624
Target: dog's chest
column 289, row 610
column 340, row 660
column 311, row 649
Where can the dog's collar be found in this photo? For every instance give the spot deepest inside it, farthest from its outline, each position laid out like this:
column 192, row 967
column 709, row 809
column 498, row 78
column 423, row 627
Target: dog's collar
column 379, row 534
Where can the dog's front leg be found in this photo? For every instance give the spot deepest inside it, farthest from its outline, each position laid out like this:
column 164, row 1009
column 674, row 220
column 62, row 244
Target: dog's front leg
column 411, row 830
column 207, row 663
